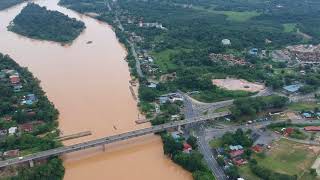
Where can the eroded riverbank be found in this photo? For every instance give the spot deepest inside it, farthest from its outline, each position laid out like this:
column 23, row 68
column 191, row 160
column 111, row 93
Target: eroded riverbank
column 88, row 83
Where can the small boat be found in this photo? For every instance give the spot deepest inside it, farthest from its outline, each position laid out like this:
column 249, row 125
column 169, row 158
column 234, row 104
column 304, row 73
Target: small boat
column 89, row 42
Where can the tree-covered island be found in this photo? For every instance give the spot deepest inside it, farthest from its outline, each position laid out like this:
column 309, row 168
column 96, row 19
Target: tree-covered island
column 39, row 23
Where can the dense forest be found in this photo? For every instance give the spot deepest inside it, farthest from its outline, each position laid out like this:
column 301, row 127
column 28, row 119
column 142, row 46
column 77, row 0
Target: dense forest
column 39, row 23
column 8, row 3
column 39, row 114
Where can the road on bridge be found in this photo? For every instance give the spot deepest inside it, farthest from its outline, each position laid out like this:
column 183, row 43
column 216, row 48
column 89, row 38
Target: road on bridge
column 108, row 140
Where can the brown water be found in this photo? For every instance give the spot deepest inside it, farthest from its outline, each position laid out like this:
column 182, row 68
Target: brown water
column 88, row 83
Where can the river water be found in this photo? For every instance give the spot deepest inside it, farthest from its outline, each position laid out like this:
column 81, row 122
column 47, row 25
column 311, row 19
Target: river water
column 89, row 83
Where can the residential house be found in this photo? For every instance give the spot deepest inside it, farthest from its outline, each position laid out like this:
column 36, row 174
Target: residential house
column 7, row 118
column 292, row 88
column 239, row 161
column 30, row 99
column 163, row 99
column 253, row 51
column 257, row 148
column 187, row 148
column 3, row 132
column 17, row 88
column 236, row 153
column 226, row 42
column 14, row 79
column 11, row 153
column 175, row 135
column 307, row 115
column 12, row 130
column 152, row 85
column 26, row 127
column 312, row 128
column 235, row 148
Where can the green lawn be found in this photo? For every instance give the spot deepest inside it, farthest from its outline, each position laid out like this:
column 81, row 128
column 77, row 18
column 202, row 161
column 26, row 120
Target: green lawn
column 164, row 59
column 239, row 16
column 215, row 143
column 290, row 27
column 288, row 157
column 231, row 15
column 223, row 109
column 246, row 173
column 303, row 106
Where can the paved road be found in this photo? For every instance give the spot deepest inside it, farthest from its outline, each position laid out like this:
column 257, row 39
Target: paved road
column 202, row 107
column 108, row 140
column 191, row 112
column 132, row 46
column 208, row 156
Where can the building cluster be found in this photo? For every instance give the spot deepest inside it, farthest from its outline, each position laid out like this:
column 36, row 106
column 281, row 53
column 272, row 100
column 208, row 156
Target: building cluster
column 177, row 136
column 13, row 76
column 151, row 25
column 171, row 97
column 231, row 59
column 22, row 107
column 147, row 64
column 307, row 54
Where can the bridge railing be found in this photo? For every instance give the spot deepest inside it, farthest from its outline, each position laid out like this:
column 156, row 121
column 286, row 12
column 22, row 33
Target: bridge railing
column 108, row 140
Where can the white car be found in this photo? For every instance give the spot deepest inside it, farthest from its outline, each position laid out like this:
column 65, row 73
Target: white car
column 20, row 158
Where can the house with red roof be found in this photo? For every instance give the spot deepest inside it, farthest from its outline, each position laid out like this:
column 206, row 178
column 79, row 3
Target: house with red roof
column 236, row 153
column 14, row 79
column 239, row 161
column 11, row 153
column 26, row 127
column 187, row 148
column 312, row 128
column 287, row 131
column 257, row 148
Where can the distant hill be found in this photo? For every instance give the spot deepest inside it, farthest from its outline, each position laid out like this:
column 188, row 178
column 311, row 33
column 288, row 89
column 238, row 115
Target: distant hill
column 39, row 23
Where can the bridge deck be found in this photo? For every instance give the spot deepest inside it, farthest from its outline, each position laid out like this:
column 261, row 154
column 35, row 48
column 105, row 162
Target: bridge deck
column 108, row 140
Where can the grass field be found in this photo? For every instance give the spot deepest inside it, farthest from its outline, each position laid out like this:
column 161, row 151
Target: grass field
column 246, row 173
column 164, row 59
column 289, row 158
column 303, row 106
column 232, row 15
column 215, row 143
column 290, row 27
column 239, row 16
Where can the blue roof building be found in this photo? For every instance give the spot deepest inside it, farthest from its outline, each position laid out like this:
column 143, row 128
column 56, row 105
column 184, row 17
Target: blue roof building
column 292, row 88
column 253, row 51
column 307, row 115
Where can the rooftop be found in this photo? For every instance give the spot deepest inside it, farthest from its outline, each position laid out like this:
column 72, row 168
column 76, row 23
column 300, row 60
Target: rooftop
column 292, row 88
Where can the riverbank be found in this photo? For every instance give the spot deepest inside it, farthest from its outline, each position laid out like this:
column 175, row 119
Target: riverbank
column 28, row 122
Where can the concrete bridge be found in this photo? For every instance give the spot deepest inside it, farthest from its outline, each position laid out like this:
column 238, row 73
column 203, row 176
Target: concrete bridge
column 106, row 140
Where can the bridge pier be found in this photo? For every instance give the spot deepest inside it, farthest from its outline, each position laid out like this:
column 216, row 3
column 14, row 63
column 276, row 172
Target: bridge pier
column 104, row 148
column 31, row 163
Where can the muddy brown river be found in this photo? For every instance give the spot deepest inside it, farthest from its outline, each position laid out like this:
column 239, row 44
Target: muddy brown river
column 89, row 83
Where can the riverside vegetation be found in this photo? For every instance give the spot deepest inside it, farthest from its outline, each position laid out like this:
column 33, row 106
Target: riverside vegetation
column 39, row 113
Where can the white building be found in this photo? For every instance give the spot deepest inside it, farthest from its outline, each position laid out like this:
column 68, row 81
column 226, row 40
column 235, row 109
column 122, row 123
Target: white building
column 12, row 130
column 226, row 42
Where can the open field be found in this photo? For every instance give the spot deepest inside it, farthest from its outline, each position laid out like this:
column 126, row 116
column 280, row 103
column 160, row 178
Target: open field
column 238, row 84
column 290, row 27
column 246, row 173
column 303, row 106
column 289, row 158
column 238, row 16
